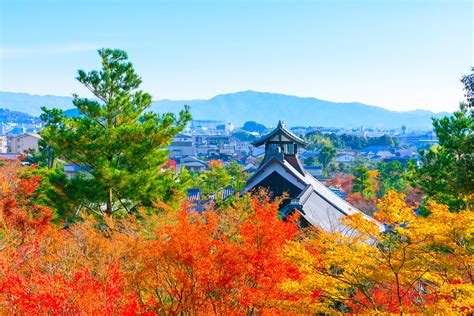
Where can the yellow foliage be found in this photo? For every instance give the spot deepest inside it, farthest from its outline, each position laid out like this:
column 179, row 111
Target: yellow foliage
column 419, row 265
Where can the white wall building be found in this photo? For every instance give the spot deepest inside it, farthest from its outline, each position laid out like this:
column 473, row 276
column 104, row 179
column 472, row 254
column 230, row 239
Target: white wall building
column 3, row 145
column 24, row 142
column 344, row 158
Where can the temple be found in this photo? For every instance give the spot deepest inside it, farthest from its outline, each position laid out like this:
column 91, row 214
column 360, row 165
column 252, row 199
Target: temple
column 281, row 172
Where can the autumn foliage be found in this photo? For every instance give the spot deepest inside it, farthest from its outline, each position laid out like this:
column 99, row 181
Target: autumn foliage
column 418, row 265
column 18, row 214
column 241, row 260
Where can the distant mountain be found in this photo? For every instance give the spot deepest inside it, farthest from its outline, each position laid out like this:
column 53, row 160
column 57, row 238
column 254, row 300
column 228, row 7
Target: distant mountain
column 262, row 107
column 31, row 104
column 16, row 117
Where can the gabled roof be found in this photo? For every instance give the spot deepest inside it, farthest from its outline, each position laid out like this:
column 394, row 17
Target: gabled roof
column 192, row 161
column 182, row 136
column 315, row 207
column 282, row 130
column 35, row 135
column 318, row 204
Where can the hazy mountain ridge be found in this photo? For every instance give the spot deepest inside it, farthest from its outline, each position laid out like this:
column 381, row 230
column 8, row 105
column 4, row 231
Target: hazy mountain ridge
column 7, row 115
column 263, row 107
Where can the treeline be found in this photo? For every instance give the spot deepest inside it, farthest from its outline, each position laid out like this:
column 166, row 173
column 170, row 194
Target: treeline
column 346, row 141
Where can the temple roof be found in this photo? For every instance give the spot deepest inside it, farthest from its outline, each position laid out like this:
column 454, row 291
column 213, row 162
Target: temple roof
column 281, row 130
column 318, row 204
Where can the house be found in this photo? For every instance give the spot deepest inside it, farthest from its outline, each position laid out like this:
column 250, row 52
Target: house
column 71, row 170
column 383, row 154
column 24, row 142
column 207, row 150
column 3, row 145
column 182, row 145
column 373, row 150
column 406, row 153
column 193, row 164
column 250, row 167
column 315, row 171
column 282, row 172
column 344, row 158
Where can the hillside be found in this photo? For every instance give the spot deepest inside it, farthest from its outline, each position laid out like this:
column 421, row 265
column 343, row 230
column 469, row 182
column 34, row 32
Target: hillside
column 31, row 104
column 266, row 108
column 16, row 117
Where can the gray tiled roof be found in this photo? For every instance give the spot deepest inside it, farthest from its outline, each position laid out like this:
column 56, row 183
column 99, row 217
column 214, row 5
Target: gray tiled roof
column 281, row 128
column 318, row 204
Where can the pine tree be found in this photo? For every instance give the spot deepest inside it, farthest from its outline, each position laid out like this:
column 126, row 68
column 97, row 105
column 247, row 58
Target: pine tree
column 120, row 145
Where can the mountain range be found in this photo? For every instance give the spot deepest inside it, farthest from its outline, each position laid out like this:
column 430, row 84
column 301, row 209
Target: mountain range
column 263, row 107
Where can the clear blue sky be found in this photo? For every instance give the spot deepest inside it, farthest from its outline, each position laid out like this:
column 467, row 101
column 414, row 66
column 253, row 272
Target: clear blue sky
column 396, row 54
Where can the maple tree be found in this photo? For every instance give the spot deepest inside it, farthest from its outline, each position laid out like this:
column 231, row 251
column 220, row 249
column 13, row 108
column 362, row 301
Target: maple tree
column 199, row 266
column 160, row 264
column 239, row 259
column 18, row 215
column 346, row 184
column 419, row 265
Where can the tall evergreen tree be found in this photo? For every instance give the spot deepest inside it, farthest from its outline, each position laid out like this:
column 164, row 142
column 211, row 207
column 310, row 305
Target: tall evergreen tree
column 120, row 145
column 468, row 81
column 364, row 182
column 447, row 173
column 326, row 156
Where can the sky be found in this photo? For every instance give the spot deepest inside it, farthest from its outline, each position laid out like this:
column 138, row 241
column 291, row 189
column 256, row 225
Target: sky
column 400, row 55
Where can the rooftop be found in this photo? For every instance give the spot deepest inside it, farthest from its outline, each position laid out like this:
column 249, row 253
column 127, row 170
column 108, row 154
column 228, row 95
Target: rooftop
column 283, row 133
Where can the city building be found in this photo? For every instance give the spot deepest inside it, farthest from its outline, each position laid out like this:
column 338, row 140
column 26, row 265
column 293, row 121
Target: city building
column 193, row 164
column 24, row 142
column 3, row 145
column 181, row 146
column 345, row 158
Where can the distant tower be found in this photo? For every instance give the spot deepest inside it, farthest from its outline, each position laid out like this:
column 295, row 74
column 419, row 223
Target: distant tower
column 282, row 144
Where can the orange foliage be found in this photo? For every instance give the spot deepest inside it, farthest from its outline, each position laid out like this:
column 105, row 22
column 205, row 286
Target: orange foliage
column 237, row 261
column 160, row 265
column 343, row 183
column 215, row 163
column 368, row 206
column 17, row 213
column 195, row 267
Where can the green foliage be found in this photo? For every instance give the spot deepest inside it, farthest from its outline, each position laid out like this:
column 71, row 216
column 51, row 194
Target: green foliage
column 317, row 140
column 254, row 127
column 392, row 176
column 346, row 141
column 326, row 156
column 468, row 81
column 312, row 161
column 363, row 182
column 447, row 173
column 384, row 140
column 219, row 177
column 244, row 136
column 38, row 158
column 122, row 145
column 238, row 176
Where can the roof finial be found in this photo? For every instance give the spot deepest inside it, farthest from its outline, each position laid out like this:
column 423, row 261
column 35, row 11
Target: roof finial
column 281, row 123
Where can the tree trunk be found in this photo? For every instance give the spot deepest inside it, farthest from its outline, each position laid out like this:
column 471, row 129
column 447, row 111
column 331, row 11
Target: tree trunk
column 50, row 158
column 108, row 211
